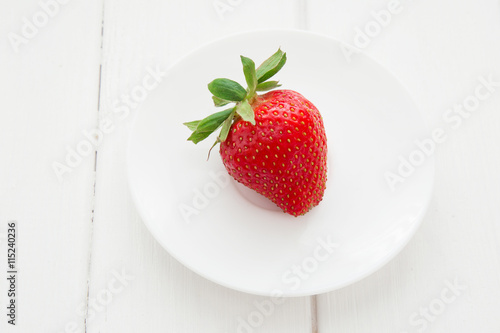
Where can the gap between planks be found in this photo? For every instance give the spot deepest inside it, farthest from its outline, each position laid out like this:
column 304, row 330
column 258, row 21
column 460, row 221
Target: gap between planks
column 91, row 238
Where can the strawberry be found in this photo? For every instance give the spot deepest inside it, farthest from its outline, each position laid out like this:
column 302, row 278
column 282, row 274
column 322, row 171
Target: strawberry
column 273, row 143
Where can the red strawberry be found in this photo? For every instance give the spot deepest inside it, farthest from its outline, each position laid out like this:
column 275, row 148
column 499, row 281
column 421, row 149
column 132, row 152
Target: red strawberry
column 274, row 143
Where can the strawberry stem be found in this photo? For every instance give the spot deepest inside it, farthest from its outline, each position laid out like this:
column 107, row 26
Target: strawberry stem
column 227, row 91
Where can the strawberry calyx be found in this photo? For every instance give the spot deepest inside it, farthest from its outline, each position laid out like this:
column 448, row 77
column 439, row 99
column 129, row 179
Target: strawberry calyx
column 226, row 91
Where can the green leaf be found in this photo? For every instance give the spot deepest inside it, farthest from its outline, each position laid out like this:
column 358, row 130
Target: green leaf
column 199, row 136
column 219, row 101
column 268, row 85
column 271, row 66
column 209, row 124
column 250, row 74
column 227, row 89
column 192, row 124
column 246, row 112
column 226, row 126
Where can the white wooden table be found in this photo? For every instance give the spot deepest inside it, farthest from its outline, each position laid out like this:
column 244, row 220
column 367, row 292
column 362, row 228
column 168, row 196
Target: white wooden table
column 87, row 263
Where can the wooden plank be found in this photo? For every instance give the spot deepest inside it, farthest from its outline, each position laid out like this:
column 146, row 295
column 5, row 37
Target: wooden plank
column 439, row 58
column 49, row 85
column 162, row 295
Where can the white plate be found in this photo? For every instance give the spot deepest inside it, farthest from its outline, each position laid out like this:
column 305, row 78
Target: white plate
column 239, row 240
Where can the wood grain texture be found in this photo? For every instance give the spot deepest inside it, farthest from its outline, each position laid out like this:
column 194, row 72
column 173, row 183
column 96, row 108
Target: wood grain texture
column 164, row 296
column 438, row 50
column 49, row 95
